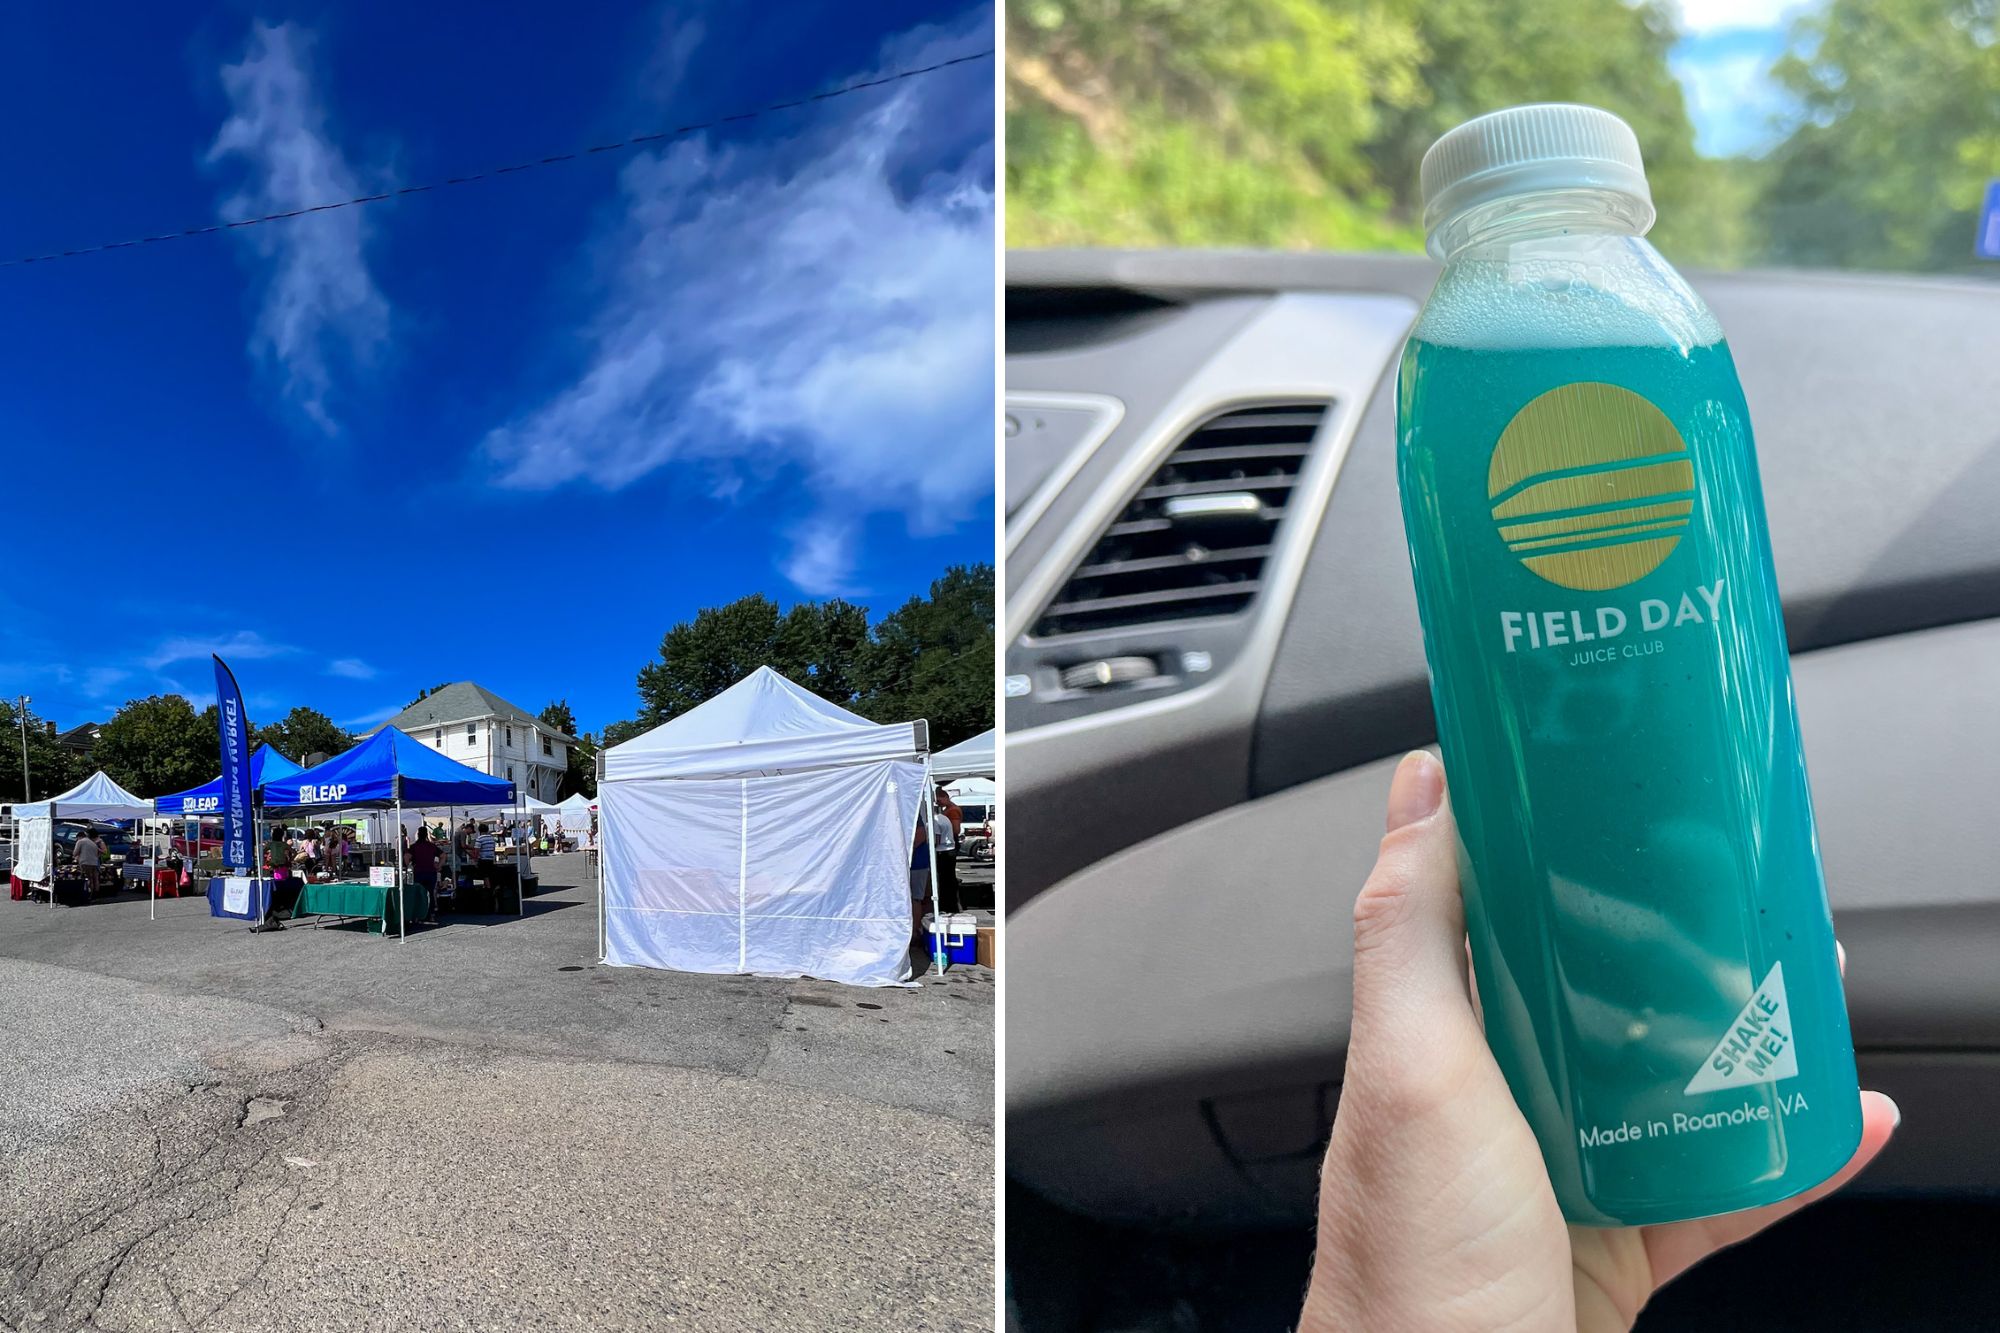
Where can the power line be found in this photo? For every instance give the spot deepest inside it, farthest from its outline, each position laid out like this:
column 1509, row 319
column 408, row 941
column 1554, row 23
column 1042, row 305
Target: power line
column 679, row 131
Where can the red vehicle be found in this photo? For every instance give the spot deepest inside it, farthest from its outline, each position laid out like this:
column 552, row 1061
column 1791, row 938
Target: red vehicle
column 209, row 842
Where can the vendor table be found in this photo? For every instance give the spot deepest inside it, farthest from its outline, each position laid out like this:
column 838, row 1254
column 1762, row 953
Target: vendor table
column 499, row 893
column 358, row 898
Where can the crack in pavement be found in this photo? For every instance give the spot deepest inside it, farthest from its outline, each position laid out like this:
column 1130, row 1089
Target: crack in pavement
column 67, row 1275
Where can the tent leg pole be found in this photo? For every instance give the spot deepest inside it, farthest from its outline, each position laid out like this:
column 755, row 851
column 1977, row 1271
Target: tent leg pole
column 937, row 894
column 402, row 904
column 742, row 882
column 597, row 845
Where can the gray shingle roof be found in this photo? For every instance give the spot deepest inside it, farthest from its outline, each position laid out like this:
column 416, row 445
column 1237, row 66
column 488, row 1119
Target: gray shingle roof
column 459, row 701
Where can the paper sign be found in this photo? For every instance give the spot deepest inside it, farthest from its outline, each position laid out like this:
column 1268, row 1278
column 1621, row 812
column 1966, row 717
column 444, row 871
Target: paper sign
column 236, row 894
column 382, row 877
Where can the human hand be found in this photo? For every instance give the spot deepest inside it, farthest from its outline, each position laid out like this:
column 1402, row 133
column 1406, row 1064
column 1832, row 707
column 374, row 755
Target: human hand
column 1436, row 1212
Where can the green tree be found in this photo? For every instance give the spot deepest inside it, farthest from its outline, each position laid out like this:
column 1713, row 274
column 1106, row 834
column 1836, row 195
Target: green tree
column 559, row 716
column 157, row 745
column 620, row 732
column 425, row 694
column 1295, row 123
column 303, row 733
column 581, row 773
column 1898, row 135
column 51, row 769
column 932, row 658
column 817, row 644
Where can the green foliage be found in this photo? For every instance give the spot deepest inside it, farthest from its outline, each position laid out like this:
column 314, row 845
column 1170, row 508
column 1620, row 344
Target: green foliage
column 816, row 644
column 581, row 773
column 51, row 769
column 1301, row 123
column 1899, row 137
column 305, row 732
column 425, row 694
column 931, row 658
column 558, row 716
column 619, row 732
column 157, row 745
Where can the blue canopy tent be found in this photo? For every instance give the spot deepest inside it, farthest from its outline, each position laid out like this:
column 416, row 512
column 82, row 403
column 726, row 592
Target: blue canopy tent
column 207, row 800
column 388, row 770
column 265, row 764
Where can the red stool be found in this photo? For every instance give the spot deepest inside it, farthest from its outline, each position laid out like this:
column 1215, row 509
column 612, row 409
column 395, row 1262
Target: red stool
column 166, row 884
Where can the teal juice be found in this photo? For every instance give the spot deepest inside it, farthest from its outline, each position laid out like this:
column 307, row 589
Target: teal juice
column 1654, row 953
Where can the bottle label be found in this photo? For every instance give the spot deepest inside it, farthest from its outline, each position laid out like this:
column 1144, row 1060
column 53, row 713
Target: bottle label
column 1591, row 489
column 1591, row 486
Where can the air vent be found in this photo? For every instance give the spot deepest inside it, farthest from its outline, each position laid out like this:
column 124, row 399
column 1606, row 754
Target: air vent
column 1193, row 542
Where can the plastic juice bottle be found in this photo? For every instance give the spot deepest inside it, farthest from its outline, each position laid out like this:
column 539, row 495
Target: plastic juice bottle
column 1648, row 921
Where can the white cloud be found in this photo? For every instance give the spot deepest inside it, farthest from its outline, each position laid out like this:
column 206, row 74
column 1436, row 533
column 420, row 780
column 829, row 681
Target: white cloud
column 320, row 309
column 353, row 668
column 1699, row 16
column 1735, row 105
column 99, row 681
column 367, row 719
column 805, row 309
column 244, row 644
column 821, row 562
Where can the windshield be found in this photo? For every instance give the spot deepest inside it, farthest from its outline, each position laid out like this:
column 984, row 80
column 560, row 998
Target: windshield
column 1846, row 134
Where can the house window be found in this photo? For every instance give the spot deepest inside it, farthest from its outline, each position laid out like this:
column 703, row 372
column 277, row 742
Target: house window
column 510, row 772
column 437, row 738
column 547, row 748
column 510, row 735
column 471, row 732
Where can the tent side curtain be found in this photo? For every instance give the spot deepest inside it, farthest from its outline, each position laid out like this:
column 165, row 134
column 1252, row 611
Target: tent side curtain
column 766, row 755
column 800, row 873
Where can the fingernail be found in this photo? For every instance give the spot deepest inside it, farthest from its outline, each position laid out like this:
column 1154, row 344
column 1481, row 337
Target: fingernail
column 1840, row 952
column 1896, row 1110
column 1417, row 790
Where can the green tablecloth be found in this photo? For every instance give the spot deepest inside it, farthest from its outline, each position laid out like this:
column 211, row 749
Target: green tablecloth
column 349, row 898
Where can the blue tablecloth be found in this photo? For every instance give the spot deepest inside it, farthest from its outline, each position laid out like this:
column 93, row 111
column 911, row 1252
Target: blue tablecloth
column 259, row 894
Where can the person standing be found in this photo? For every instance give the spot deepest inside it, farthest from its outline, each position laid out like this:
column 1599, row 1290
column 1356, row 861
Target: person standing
column 87, row 856
column 279, row 856
column 945, row 821
column 920, row 878
column 424, row 861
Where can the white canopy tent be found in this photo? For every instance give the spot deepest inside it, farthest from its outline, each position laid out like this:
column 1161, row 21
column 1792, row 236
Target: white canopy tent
column 765, row 831
column 968, row 759
column 575, row 810
column 96, row 797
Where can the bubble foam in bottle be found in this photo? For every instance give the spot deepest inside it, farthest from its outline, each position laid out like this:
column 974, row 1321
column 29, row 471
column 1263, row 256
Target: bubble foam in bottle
column 1649, row 924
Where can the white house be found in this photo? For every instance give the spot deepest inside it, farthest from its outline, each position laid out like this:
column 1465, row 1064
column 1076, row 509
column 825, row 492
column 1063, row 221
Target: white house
column 478, row 728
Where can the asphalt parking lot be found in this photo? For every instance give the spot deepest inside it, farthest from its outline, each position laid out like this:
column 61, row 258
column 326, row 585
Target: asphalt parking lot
column 476, row 1128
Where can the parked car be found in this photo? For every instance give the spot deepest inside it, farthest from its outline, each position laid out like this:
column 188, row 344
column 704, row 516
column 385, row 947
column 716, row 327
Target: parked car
column 208, row 844
column 975, row 832
column 116, row 841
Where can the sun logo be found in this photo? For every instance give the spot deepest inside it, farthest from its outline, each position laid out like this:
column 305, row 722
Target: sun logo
column 1591, row 486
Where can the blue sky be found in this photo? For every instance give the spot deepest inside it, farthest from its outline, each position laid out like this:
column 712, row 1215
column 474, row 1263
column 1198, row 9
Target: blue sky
column 351, row 452
column 1723, row 61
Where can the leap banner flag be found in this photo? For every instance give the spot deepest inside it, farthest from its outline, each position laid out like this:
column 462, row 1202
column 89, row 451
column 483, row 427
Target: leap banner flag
column 237, row 852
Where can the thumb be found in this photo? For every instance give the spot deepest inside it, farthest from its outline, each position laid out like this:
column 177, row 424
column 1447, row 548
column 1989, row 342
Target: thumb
column 1409, row 921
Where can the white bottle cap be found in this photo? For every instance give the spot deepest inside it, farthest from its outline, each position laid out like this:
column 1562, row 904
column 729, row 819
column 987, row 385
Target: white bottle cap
column 1550, row 146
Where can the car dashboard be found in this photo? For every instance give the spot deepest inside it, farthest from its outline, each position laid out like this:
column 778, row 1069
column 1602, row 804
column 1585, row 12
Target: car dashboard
column 1203, row 743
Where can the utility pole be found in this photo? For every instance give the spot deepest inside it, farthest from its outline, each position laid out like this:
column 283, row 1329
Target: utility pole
column 26, row 793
